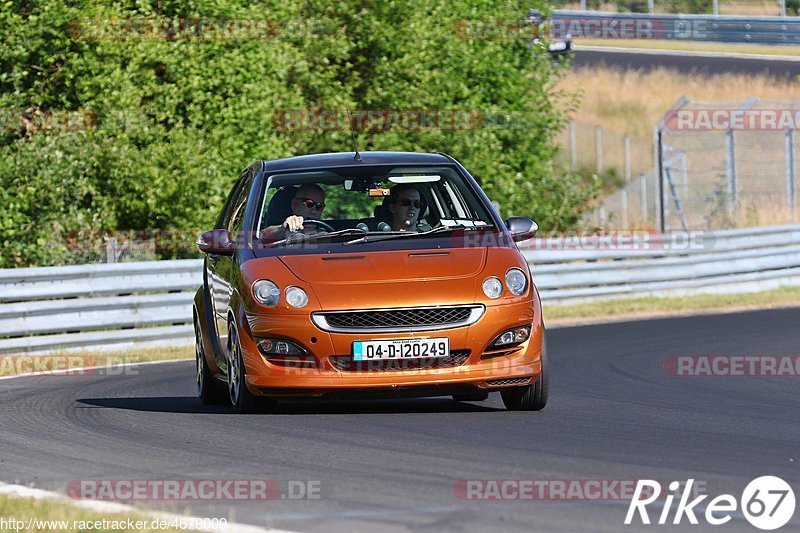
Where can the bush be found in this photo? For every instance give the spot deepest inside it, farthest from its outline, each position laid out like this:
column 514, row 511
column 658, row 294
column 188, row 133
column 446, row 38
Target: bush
column 177, row 119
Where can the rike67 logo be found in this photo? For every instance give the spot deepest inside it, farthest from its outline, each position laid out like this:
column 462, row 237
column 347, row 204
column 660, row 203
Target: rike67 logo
column 767, row 503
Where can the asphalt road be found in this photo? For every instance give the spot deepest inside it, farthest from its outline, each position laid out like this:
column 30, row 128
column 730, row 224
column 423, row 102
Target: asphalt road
column 688, row 64
column 391, row 465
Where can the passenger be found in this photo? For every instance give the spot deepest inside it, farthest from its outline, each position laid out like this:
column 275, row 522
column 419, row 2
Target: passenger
column 405, row 206
column 308, row 203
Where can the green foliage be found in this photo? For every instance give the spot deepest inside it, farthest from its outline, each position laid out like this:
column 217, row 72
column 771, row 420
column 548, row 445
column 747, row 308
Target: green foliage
column 178, row 118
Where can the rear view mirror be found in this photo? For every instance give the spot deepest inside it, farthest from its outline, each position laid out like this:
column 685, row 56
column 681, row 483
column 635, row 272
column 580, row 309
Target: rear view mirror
column 521, row 228
column 216, row 242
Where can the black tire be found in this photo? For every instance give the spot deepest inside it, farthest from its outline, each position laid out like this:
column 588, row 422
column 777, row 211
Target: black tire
column 530, row 397
column 240, row 397
column 208, row 389
column 477, row 396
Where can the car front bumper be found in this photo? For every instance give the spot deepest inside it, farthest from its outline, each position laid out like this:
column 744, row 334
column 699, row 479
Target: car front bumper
column 319, row 375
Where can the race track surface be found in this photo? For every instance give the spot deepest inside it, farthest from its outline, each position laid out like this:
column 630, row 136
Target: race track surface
column 391, row 465
column 688, row 64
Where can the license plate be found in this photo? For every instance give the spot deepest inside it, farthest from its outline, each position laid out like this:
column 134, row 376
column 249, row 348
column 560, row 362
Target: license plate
column 401, row 349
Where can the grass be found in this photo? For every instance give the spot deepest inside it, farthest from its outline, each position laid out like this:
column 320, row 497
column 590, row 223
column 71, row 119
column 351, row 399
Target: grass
column 617, row 310
column 19, row 364
column 35, row 514
column 692, row 46
column 633, row 101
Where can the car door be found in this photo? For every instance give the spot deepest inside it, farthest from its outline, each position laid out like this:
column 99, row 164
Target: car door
column 219, row 268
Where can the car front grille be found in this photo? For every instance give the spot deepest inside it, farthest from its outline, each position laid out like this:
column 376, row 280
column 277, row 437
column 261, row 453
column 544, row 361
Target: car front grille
column 346, row 363
column 413, row 318
column 508, row 381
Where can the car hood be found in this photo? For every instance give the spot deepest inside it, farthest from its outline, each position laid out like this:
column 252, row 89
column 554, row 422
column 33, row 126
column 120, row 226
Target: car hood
column 404, row 278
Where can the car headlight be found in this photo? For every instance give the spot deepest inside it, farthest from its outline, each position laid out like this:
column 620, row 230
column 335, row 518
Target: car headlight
column 492, row 287
column 266, row 292
column 296, row 297
column 516, row 281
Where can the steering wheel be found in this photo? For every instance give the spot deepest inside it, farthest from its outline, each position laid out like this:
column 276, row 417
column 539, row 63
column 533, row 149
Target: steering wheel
column 324, row 225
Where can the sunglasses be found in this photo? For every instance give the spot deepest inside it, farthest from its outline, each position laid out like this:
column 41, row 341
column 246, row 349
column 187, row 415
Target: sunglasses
column 309, row 203
column 405, row 202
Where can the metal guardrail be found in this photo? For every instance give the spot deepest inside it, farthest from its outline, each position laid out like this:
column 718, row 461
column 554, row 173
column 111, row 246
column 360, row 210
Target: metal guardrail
column 118, row 305
column 86, row 306
column 719, row 28
column 729, row 261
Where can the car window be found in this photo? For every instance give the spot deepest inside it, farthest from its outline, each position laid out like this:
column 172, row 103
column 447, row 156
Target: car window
column 240, row 204
column 360, row 195
column 224, row 218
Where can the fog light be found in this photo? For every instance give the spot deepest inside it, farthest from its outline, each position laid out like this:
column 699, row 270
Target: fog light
column 279, row 347
column 512, row 336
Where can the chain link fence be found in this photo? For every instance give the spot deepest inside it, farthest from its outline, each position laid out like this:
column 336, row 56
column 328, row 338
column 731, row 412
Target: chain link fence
column 624, row 165
column 722, row 165
column 729, row 165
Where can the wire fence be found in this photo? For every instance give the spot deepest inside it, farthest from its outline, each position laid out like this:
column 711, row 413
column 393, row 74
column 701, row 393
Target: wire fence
column 722, row 165
column 624, row 165
column 729, row 165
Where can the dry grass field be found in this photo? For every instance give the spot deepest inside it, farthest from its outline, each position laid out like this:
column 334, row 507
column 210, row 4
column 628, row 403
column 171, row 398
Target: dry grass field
column 633, row 101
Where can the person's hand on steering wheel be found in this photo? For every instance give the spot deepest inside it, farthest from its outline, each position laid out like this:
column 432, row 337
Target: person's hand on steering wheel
column 293, row 223
column 296, row 223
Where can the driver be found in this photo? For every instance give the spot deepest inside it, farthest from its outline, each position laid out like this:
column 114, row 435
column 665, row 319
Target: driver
column 405, row 205
column 308, row 203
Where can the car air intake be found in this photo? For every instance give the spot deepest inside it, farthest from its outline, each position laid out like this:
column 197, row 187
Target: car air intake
column 508, row 381
column 346, row 363
column 401, row 319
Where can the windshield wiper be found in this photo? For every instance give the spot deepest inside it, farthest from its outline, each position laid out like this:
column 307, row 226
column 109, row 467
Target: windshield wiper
column 296, row 238
column 409, row 234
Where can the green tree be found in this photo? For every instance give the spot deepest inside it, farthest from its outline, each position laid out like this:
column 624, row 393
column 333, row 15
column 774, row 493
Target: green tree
column 178, row 117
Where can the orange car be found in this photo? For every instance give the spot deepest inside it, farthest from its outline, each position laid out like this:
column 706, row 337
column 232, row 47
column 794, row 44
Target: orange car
column 371, row 275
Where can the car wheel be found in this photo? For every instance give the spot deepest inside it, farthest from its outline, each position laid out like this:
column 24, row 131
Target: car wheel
column 477, row 396
column 208, row 390
column 530, row 397
column 242, row 400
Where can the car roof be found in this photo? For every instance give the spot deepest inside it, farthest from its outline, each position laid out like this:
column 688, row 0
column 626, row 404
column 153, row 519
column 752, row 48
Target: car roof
column 347, row 159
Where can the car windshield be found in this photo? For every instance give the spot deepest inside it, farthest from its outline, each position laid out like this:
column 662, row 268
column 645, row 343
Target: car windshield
column 378, row 202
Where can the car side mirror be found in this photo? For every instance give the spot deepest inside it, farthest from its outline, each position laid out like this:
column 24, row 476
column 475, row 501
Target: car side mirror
column 521, row 228
column 216, row 242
